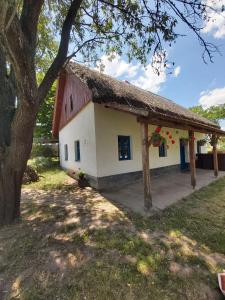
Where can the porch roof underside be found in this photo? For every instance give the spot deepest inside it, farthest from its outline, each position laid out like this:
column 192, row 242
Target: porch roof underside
column 147, row 106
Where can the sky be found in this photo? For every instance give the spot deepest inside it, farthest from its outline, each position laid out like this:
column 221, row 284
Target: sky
column 192, row 82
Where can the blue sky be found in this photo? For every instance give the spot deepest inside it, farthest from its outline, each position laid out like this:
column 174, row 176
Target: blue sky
column 195, row 76
column 193, row 82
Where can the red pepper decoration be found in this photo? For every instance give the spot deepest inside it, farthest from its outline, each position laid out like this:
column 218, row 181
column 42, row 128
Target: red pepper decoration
column 158, row 129
column 170, row 136
column 167, row 132
column 173, row 142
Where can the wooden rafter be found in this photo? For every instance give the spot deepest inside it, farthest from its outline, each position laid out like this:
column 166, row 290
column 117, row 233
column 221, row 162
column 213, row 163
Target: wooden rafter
column 178, row 125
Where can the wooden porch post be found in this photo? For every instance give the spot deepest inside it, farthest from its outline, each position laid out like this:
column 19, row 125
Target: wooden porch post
column 145, row 164
column 215, row 157
column 192, row 158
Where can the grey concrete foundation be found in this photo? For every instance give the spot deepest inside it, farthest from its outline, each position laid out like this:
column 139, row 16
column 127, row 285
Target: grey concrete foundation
column 119, row 180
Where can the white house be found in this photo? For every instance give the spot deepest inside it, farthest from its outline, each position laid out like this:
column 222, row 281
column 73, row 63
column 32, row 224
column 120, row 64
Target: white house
column 101, row 123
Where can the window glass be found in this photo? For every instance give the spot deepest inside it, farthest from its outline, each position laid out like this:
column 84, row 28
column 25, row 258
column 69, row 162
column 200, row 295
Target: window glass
column 77, row 150
column 66, row 152
column 162, row 150
column 71, row 103
column 124, row 151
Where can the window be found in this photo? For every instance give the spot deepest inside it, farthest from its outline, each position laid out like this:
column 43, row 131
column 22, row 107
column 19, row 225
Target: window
column 71, row 103
column 65, row 108
column 124, row 147
column 162, row 150
column 199, row 150
column 77, row 150
column 66, row 152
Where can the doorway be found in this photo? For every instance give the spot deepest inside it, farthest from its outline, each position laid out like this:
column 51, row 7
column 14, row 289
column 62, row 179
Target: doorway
column 183, row 151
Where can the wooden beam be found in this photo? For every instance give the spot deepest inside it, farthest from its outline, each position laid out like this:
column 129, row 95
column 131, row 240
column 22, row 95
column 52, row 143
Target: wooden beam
column 192, row 158
column 145, row 164
column 215, row 156
column 129, row 109
column 172, row 124
column 158, row 118
column 169, row 124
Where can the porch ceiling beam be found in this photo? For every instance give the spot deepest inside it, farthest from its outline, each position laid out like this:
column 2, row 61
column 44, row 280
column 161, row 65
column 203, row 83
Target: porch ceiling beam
column 158, row 118
column 174, row 124
column 192, row 158
column 183, row 121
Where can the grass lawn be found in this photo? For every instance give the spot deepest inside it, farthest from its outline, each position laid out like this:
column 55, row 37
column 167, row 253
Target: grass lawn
column 74, row 244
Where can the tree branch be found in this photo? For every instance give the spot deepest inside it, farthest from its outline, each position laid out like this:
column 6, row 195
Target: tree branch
column 29, row 20
column 14, row 42
column 209, row 48
column 61, row 56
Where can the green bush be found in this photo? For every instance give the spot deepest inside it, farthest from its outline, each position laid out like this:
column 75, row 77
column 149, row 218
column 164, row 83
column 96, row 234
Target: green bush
column 43, row 150
column 41, row 163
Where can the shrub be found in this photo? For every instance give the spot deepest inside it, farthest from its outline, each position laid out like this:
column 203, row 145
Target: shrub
column 80, row 174
column 30, row 175
column 43, row 163
column 43, row 150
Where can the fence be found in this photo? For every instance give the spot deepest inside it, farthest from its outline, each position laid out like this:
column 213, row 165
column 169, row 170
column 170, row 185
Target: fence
column 205, row 161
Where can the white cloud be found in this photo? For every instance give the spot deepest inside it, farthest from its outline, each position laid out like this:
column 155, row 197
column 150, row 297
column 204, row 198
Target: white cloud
column 117, row 67
column 216, row 24
column 145, row 78
column 177, row 71
column 149, row 80
column 213, row 97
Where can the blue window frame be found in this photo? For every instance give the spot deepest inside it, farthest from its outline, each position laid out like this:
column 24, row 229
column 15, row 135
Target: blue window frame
column 77, row 150
column 162, row 150
column 66, row 152
column 124, row 150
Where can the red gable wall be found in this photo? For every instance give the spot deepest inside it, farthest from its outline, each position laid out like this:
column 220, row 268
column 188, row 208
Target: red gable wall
column 72, row 95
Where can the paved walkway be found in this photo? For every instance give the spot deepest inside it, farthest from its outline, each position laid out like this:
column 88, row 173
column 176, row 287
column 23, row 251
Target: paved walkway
column 166, row 190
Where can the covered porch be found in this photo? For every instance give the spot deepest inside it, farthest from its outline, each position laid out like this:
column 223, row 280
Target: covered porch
column 145, row 110
column 160, row 192
column 166, row 189
column 183, row 184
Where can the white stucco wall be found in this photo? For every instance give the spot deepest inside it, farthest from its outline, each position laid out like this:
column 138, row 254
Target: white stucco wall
column 97, row 128
column 82, row 128
column 111, row 123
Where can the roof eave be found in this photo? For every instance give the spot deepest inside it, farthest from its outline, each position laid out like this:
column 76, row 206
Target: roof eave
column 160, row 118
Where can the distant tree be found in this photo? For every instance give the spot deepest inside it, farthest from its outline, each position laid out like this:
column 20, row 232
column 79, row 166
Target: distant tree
column 213, row 113
column 43, row 127
column 136, row 28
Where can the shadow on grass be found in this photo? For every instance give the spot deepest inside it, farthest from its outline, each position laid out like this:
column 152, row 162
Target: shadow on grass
column 73, row 244
column 199, row 216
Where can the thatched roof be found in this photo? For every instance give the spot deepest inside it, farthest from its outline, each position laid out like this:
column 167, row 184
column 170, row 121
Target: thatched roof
column 113, row 92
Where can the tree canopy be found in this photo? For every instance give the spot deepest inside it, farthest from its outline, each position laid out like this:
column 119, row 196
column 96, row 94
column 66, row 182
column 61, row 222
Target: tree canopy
column 139, row 29
column 214, row 113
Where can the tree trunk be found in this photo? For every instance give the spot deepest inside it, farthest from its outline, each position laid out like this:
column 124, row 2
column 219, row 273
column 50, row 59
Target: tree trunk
column 18, row 39
column 10, row 188
column 16, row 135
column 14, row 163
